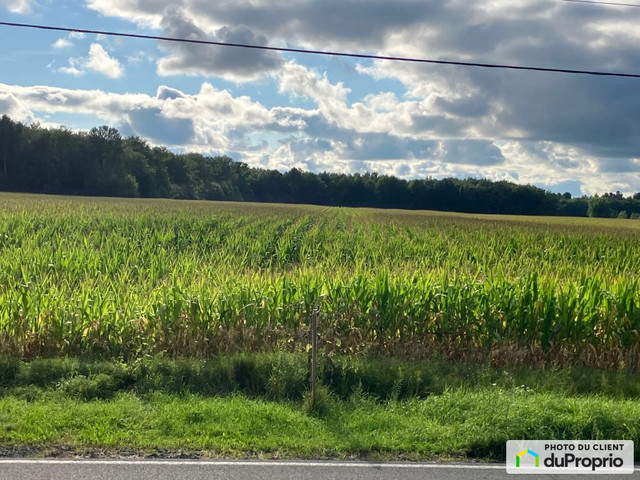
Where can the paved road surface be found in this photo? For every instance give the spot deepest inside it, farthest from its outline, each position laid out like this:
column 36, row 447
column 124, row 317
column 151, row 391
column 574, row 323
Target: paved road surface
column 54, row 469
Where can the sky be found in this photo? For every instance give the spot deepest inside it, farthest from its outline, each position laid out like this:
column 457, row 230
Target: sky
column 564, row 133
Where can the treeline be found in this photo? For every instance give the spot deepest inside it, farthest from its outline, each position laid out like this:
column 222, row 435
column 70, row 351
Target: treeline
column 101, row 162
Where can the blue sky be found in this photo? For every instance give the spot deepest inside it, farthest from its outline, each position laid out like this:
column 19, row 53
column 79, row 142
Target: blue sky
column 564, row 133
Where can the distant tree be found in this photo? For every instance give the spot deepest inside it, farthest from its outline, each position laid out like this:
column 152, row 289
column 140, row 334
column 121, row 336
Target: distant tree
column 391, row 192
column 576, row 207
column 618, row 195
column 306, row 187
column 599, row 207
column 268, row 186
column 10, row 134
column 106, row 168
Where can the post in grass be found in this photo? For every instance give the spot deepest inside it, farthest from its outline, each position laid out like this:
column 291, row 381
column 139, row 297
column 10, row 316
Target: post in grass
column 314, row 355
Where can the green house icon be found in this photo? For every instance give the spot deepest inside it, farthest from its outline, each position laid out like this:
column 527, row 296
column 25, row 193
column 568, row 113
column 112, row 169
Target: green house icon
column 525, row 452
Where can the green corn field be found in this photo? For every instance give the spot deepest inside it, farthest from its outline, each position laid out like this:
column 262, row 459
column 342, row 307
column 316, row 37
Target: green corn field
column 123, row 279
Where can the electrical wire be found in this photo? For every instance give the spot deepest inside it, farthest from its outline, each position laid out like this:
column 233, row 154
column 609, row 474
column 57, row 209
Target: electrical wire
column 596, row 2
column 323, row 52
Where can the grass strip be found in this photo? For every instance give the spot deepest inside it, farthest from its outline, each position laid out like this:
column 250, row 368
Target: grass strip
column 285, row 376
column 460, row 423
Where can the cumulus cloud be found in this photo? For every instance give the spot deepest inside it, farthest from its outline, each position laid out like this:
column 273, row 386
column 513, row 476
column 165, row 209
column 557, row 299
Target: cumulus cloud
column 67, row 41
column 352, row 23
column 472, row 152
column 170, row 117
column 17, row 6
column 62, row 43
column 232, row 63
column 98, row 61
column 598, row 115
column 15, row 108
column 75, row 67
column 150, row 123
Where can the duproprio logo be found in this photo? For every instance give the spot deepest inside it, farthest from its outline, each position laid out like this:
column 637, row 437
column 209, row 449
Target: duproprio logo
column 570, row 456
column 529, row 452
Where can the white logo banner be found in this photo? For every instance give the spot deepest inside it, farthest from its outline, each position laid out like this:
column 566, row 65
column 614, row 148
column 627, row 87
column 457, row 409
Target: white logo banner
column 569, row 456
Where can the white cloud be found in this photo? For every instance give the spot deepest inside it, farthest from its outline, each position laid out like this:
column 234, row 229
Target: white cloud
column 297, row 80
column 67, row 42
column 15, row 108
column 98, row 61
column 142, row 13
column 62, row 43
column 75, row 67
column 17, row 6
column 381, row 113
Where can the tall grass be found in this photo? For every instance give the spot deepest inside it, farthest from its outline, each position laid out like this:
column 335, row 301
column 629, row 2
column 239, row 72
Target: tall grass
column 128, row 278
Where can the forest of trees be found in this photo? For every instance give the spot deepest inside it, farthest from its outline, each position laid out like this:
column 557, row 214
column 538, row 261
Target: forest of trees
column 101, row 162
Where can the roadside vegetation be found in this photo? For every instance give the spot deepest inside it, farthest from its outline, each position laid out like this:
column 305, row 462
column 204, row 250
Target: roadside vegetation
column 285, row 377
column 258, row 405
column 441, row 335
column 471, row 424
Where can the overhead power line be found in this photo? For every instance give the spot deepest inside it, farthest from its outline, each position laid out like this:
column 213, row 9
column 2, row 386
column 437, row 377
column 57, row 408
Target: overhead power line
column 596, row 2
column 323, row 52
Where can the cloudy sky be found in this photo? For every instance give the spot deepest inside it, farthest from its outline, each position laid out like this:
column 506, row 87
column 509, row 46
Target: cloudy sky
column 562, row 132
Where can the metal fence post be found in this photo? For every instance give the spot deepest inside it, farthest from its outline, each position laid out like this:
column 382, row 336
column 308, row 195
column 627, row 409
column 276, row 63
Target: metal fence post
column 314, row 355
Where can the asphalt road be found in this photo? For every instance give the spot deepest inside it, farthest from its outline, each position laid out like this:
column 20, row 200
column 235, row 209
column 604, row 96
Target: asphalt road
column 56, row 469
